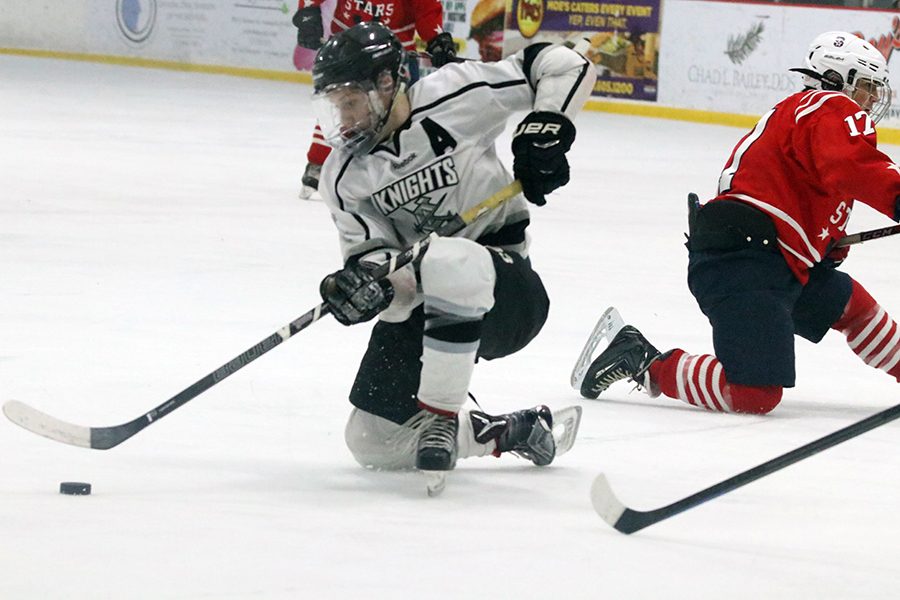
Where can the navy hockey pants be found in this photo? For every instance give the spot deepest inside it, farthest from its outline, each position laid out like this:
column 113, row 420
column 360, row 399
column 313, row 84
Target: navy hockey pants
column 756, row 305
column 388, row 377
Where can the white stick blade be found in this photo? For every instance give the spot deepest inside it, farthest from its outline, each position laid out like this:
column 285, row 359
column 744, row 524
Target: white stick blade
column 43, row 424
column 604, row 500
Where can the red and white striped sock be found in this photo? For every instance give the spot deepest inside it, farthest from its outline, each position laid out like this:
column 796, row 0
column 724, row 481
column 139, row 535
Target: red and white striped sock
column 319, row 149
column 700, row 380
column 871, row 333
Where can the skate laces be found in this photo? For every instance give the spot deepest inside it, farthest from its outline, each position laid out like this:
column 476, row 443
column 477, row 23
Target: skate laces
column 403, row 438
column 439, row 433
column 632, row 363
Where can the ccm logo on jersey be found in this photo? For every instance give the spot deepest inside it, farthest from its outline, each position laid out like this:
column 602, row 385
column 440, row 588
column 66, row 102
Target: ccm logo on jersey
column 435, row 176
column 535, row 128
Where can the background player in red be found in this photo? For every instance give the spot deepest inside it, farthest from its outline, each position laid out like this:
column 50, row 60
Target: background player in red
column 761, row 259
column 404, row 18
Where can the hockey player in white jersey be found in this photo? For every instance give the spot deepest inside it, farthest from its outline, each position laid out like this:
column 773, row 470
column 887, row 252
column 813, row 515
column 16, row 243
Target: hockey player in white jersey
column 405, row 162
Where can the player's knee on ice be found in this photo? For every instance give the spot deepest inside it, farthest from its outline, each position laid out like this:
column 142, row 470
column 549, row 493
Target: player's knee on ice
column 377, row 443
column 458, row 277
column 754, row 400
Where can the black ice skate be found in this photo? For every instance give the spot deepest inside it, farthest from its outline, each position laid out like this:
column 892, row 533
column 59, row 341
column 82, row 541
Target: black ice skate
column 436, row 450
column 310, row 180
column 527, row 433
column 628, row 356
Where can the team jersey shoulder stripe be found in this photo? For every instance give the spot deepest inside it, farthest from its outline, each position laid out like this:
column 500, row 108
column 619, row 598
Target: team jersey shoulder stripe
column 578, row 80
column 727, row 175
column 337, row 182
column 466, row 89
column 813, row 103
column 530, row 54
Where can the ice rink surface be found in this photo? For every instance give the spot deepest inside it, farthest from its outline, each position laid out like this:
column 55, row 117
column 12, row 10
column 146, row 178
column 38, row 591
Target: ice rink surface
column 150, row 231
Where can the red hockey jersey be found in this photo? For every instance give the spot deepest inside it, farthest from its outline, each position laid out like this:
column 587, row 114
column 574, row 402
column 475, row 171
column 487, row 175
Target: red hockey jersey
column 403, row 17
column 804, row 164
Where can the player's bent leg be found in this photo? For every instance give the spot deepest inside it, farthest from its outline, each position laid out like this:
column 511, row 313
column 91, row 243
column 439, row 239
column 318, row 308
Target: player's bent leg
column 871, row 332
column 458, row 284
column 700, row 380
column 378, row 443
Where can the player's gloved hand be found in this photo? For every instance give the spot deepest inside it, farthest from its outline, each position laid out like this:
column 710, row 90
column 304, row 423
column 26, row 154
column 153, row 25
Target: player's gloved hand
column 442, row 49
column 539, row 150
column 310, row 31
column 353, row 295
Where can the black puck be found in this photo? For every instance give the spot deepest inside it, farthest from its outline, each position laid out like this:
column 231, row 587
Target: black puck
column 75, row 488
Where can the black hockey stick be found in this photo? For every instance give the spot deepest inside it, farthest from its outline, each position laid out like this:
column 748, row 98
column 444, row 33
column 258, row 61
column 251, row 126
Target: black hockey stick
column 627, row 520
column 427, row 55
column 865, row 236
column 103, row 438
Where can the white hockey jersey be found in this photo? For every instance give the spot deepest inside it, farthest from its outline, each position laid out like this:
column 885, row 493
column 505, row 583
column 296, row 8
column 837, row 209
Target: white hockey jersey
column 443, row 161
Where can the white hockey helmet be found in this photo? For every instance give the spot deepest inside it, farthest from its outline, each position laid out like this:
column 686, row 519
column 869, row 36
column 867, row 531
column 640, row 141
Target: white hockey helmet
column 843, row 62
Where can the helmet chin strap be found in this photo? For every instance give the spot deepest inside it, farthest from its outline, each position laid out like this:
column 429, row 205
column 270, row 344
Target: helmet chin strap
column 828, row 83
column 378, row 133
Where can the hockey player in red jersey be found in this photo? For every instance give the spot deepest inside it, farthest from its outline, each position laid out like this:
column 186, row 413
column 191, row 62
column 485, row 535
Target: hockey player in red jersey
column 404, row 18
column 762, row 257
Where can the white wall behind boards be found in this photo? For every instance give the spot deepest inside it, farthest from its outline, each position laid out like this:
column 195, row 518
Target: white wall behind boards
column 734, row 58
column 721, row 57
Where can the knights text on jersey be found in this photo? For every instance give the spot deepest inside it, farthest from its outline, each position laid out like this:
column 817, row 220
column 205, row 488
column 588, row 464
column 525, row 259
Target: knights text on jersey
column 804, row 164
column 442, row 161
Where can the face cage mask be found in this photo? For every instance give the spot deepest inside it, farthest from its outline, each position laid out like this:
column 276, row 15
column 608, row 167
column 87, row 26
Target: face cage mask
column 352, row 115
column 879, row 97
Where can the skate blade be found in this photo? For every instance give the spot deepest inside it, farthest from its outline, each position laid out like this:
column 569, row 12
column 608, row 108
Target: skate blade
column 607, row 327
column 435, row 481
column 565, row 428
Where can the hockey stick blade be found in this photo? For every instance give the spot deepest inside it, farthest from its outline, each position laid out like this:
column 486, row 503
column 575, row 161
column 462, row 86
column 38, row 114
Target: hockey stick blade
column 104, row 438
column 43, row 424
column 608, row 325
column 627, row 520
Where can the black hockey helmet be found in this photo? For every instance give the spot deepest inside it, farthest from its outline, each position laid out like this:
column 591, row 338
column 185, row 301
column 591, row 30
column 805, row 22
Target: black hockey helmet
column 361, row 53
column 357, row 75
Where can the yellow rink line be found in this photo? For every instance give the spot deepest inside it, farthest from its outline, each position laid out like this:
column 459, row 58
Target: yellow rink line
column 886, row 135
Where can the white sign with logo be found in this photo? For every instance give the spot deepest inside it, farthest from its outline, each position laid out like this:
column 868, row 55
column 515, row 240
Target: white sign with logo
column 734, row 58
column 254, row 34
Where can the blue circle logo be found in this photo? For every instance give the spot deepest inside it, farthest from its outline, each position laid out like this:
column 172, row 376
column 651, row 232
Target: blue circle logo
column 136, row 19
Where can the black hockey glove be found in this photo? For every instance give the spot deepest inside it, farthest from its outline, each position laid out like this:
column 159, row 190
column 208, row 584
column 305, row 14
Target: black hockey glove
column 539, row 150
column 442, row 49
column 353, row 295
column 836, row 256
column 310, row 31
